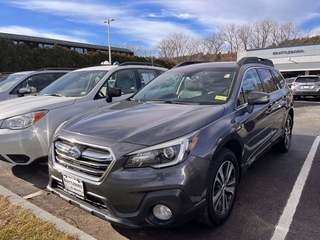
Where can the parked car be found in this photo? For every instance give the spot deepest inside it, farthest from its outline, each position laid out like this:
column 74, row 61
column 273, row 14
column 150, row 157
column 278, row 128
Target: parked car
column 27, row 124
column 306, row 86
column 28, row 82
column 176, row 149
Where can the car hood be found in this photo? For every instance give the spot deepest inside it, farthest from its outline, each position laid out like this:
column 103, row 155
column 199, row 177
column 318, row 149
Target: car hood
column 143, row 123
column 27, row 104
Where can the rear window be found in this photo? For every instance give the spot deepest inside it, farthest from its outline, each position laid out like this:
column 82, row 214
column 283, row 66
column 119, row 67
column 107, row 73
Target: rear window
column 307, row 79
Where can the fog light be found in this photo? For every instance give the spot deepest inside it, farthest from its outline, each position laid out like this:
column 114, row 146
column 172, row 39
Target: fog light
column 162, row 212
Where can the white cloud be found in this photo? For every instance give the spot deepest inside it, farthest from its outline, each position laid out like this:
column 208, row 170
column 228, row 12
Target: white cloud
column 150, row 21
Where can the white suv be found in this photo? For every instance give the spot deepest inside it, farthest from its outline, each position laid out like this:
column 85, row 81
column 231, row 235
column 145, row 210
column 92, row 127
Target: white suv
column 27, row 124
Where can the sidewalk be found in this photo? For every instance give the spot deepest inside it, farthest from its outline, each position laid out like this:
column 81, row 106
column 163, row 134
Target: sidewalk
column 45, row 216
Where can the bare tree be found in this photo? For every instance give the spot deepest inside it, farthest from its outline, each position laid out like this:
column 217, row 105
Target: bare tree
column 261, row 33
column 228, row 40
column 164, row 49
column 244, row 34
column 174, row 46
column 213, row 44
column 193, row 47
column 286, row 31
column 140, row 50
column 228, row 34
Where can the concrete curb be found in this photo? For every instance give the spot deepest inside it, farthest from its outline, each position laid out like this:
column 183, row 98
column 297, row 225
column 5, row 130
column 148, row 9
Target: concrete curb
column 40, row 213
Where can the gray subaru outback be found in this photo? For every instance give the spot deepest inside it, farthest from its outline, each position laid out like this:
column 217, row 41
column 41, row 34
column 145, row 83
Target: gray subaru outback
column 176, row 149
column 306, row 86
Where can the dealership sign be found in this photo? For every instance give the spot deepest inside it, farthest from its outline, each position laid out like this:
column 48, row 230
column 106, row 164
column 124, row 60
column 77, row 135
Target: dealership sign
column 288, row 52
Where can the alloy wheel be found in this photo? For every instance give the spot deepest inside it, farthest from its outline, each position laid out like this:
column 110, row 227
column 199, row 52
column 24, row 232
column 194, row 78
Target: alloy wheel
column 224, row 188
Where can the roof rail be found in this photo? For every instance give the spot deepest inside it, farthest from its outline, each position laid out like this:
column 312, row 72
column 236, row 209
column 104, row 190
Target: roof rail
column 141, row 63
column 187, row 63
column 5, row 73
column 55, row 68
column 247, row 60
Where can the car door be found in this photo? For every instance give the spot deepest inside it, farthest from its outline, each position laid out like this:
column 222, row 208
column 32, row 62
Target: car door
column 276, row 108
column 255, row 127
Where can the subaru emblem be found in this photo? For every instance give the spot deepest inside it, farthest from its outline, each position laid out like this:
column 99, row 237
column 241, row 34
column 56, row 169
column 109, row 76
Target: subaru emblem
column 74, row 152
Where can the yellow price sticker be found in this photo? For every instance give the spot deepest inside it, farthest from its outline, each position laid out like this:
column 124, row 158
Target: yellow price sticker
column 218, row 97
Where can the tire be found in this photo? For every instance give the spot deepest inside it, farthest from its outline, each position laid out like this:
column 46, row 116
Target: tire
column 222, row 190
column 284, row 145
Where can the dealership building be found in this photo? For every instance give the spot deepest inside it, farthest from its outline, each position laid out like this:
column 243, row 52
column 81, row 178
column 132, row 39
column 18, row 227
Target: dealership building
column 291, row 60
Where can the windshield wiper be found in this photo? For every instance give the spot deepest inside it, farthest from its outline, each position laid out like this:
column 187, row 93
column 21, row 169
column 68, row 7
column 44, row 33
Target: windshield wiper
column 173, row 102
column 182, row 103
column 54, row 95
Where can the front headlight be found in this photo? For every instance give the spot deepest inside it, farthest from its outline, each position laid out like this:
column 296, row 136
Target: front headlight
column 165, row 154
column 22, row 121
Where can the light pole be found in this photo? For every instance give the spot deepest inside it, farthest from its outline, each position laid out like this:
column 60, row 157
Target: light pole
column 108, row 22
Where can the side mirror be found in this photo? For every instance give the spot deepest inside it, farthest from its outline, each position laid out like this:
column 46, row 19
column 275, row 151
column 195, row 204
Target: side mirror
column 113, row 92
column 255, row 98
column 23, row 91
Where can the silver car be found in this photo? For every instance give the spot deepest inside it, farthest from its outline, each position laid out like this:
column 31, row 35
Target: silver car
column 27, row 124
column 306, row 86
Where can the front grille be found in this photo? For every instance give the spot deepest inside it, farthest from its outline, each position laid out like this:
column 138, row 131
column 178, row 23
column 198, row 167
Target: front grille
column 87, row 161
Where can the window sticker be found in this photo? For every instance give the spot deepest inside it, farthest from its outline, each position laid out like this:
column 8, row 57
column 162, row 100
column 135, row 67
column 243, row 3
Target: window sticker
column 226, row 75
column 218, row 97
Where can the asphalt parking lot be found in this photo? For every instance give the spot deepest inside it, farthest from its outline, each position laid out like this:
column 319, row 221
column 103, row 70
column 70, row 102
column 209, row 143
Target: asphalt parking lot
column 278, row 196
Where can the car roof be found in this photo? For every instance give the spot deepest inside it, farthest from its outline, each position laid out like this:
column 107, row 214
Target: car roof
column 109, row 67
column 302, row 76
column 40, row 71
column 23, row 72
column 245, row 61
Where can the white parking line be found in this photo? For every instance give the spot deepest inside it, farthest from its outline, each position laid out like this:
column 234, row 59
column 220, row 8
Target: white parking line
column 287, row 215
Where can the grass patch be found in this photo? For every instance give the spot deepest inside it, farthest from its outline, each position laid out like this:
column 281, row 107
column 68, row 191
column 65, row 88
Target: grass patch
column 22, row 224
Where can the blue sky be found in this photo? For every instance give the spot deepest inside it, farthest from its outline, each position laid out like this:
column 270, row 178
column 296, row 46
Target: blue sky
column 145, row 22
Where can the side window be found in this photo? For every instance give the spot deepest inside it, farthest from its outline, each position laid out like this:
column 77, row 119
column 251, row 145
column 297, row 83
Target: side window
column 251, row 82
column 279, row 79
column 146, row 75
column 36, row 83
column 124, row 79
column 267, row 79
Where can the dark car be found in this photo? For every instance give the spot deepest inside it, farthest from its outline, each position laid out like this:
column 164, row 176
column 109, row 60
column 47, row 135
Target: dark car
column 306, row 86
column 175, row 150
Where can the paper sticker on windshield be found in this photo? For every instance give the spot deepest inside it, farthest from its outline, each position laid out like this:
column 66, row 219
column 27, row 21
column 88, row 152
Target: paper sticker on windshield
column 218, row 97
column 226, row 75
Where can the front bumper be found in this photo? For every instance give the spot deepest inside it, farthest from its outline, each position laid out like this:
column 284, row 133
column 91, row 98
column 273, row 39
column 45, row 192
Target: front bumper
column 126, row 197
column 24, row 146
column 142, row 217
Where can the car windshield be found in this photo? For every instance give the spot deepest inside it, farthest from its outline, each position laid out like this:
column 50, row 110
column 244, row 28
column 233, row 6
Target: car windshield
column 184, row 86
column 75, row 83
column 10, row 80
column 307, row 79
